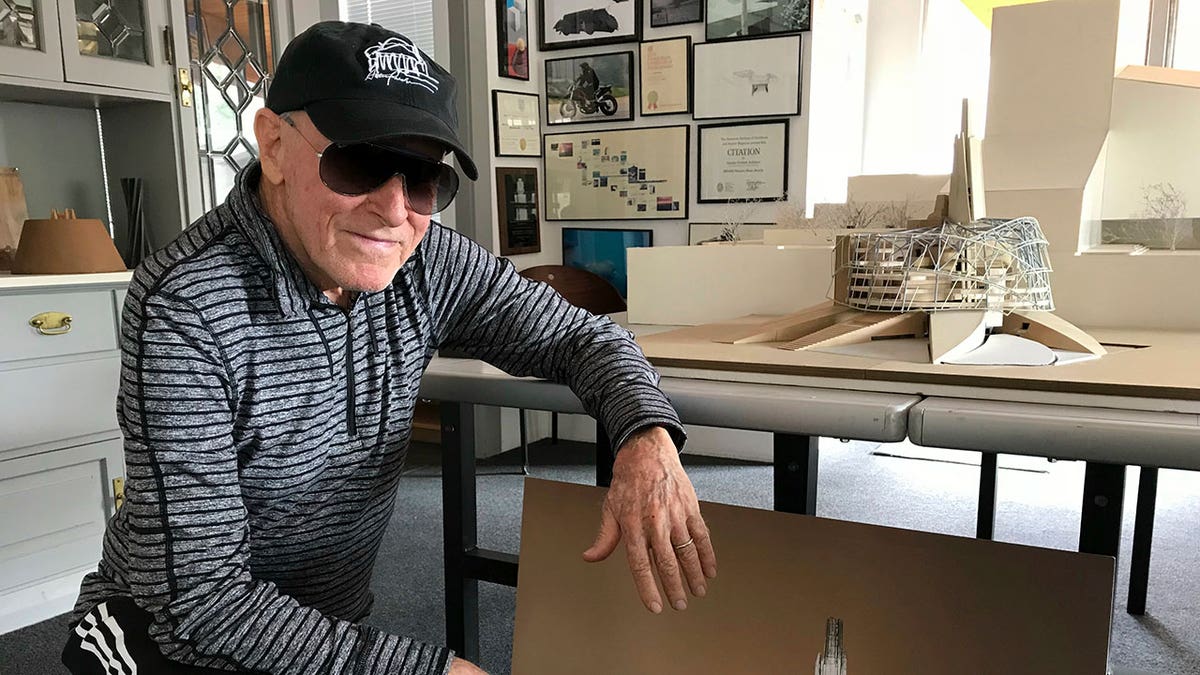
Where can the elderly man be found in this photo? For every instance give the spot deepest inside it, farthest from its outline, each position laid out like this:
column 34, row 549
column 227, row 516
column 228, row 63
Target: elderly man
column 271, row 361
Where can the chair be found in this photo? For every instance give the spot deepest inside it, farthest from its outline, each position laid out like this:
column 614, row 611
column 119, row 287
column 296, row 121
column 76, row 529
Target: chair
column 584, row 290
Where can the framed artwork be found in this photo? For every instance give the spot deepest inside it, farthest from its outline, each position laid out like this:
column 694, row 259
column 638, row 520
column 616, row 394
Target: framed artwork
column 675, row 12
column 592, row 88
column 742, row 162
column 734, row 81
column 625, row 174
column 516, row 128
column 588, row 23
column 703, row 233
column 517, row 208
column 512, row 27
column 726, row 20
column 665, row 76
column 602, row 252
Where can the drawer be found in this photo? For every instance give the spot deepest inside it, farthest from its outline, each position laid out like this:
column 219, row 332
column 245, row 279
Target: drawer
column 119, row 305
column 64, row 498
column 42, row 404
column 92, row 327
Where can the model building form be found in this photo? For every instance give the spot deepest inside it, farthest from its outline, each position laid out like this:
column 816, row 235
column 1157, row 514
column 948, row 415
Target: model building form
column 961, row 284
column 832, row 661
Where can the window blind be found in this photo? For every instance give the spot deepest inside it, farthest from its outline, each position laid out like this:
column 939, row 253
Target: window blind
column 412, row 18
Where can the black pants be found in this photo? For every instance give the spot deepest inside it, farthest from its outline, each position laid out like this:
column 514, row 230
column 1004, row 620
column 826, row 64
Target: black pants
column 114, row 638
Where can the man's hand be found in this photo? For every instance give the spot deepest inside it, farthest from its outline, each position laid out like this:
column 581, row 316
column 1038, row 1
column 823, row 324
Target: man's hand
column 463, row 667
column 652, row 506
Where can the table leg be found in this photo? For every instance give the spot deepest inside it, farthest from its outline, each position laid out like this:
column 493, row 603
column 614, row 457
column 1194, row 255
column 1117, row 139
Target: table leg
column 459, row 530
column 604, row 457
column 796, row 473
column 1103, row 498
column 1143, row 535
column 985, row 518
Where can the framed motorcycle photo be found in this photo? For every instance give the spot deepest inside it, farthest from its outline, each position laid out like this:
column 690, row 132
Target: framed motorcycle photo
column 588, row 23
column 590, row 89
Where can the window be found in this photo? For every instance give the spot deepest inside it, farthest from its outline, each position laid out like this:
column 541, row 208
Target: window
column 1185, row 38
column 1156, row 204
column 412, row 18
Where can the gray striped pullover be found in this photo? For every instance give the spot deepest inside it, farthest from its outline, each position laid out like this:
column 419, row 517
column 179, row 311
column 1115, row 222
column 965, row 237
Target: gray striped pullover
column 266, row 428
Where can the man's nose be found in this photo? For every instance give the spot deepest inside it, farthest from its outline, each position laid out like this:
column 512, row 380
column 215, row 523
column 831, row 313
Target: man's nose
column 392, row 198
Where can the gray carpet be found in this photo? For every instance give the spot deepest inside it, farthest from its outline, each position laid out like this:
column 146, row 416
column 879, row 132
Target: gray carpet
column 919, row 489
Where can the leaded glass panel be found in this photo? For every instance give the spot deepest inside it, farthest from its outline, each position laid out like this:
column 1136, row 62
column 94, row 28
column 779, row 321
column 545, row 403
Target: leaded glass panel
column 231, row 57
column 19, row 24
column 112, row 28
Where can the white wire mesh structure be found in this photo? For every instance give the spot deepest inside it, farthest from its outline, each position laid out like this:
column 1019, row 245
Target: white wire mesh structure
column 992, row 264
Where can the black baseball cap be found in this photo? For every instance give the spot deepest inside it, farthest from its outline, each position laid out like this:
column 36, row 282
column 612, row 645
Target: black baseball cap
column 364, row 83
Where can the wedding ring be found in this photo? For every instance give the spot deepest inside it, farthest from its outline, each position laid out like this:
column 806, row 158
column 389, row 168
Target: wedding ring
column 680, row 547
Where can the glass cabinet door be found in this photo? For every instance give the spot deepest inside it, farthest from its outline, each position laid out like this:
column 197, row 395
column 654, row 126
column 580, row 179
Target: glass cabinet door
column 29, row 39
column 115, row 43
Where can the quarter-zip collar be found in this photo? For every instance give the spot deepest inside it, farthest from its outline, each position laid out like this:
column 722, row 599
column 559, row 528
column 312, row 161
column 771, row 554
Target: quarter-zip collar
column 294, row 291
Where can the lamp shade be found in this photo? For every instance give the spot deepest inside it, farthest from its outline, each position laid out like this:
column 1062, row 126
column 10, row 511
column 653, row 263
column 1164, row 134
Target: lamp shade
column 64, row 244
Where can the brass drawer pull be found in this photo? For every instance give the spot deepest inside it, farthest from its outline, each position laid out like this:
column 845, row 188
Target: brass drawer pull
column 51, row 323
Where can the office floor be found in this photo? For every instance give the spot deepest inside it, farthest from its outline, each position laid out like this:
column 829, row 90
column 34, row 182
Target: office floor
column 896, row 485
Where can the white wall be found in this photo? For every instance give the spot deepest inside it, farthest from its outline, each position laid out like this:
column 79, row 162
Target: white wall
column 923, row 58
column 836, row 120
column 1154, row 138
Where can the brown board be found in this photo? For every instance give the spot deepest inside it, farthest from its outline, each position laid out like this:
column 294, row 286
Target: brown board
column 908, row 602
column 1139, row 363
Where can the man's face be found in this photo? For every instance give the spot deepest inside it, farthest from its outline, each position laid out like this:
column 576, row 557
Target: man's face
column 348, row 243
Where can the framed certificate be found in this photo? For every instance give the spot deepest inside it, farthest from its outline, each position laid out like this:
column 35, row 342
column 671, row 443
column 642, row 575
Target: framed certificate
column 516, row 124
column 736, row 79
column 743, row 162
column 665, row 71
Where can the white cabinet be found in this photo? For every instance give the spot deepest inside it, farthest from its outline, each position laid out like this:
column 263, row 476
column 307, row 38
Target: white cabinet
column 63, row 499
column 115, row 43
column 110, row 43
column 61, row 458
column 30, row 41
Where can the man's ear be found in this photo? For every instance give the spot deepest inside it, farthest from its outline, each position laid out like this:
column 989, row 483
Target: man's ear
column 267, row 127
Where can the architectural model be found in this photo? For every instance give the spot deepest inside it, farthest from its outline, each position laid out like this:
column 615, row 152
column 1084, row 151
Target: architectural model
column 957, row 283
column 832, row 661
column 991, row 265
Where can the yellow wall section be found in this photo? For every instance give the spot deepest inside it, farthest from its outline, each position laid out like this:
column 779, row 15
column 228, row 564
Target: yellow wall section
column 983, row 8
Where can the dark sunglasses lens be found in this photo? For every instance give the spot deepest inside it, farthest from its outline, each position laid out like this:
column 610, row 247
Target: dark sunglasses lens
column 356, row 169
column 430, row 186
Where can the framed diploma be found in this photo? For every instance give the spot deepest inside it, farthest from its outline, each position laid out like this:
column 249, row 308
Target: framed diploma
column 742, row 162
column 517, row 208
column 665, row 71
column 734, row 79
column 517, row 125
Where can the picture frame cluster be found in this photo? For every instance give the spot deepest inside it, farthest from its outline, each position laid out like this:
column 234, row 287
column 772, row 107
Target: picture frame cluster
column 743, row 80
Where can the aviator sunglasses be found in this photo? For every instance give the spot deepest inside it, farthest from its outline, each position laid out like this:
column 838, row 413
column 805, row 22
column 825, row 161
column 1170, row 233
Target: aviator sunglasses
column 358, row 168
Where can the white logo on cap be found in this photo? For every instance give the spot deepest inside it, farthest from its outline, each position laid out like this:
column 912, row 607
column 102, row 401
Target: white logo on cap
column 398, row 59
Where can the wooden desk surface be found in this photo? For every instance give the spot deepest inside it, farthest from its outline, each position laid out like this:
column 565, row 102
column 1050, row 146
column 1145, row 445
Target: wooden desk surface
column 1152, row 364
